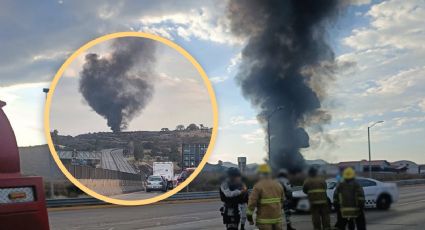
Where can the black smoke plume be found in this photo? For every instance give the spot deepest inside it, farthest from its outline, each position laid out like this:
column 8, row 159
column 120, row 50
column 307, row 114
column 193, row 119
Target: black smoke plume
column 113, row 87
column 286, row 62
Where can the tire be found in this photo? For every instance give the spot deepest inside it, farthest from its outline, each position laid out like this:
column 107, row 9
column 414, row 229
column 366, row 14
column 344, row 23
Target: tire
column 384, row 202
column 148, row 190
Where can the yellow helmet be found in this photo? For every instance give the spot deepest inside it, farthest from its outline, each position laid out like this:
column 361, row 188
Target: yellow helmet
column 264, row 168
column 348, row 173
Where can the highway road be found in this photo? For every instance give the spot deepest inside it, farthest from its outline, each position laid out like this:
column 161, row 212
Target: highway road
column 137, row 195
column 407, row 214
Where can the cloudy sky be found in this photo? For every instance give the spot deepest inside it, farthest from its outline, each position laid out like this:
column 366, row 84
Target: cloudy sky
column 383, row 40
column 178, row 90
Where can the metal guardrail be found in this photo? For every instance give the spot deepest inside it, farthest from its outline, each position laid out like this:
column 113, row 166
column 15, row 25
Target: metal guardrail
column 52, row 203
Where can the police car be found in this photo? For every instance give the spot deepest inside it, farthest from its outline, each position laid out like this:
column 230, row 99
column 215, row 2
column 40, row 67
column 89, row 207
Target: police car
column 378, row 194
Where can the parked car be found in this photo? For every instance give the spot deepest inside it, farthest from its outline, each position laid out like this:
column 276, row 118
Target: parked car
column 157, row 183
column 378, row 194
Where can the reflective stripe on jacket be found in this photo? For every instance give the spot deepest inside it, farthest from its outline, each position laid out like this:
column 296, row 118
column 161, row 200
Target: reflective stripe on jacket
column 315, row 188
column 267, row 197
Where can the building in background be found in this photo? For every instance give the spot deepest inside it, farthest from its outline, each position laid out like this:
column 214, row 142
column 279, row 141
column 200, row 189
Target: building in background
column 323, row 167
column 192, row 154
column 409, row 167
column 242, row 164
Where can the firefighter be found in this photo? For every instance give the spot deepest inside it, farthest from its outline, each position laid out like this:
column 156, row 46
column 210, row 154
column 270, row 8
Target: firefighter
column 349, row 200
column 267, row 197
column 282, row 177
column 315, row 188
column 234, row 194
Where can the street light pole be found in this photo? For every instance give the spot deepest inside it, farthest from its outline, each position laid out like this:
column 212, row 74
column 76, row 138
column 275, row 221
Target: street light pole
column 51, row 185
column 368, row 144
column 268, row 117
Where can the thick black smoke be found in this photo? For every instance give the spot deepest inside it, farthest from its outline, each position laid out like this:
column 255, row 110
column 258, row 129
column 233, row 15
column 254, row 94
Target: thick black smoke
column 282, row 65
column 113, row 87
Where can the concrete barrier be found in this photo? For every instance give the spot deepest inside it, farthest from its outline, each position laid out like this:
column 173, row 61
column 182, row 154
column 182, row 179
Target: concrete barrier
column 110, row 187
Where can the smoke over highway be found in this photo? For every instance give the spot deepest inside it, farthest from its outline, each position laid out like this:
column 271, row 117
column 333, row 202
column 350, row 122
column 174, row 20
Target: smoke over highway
column 286, row 62
column 113, row 87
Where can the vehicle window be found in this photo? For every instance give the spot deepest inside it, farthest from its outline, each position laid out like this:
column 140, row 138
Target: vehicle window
column 331, row 185
column 366, row 183
column 154, row 178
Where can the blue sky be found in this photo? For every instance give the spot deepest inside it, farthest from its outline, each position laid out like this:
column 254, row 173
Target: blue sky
column 383, row 40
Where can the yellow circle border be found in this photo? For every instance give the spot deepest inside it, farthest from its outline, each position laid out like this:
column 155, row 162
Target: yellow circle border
column 59, row 74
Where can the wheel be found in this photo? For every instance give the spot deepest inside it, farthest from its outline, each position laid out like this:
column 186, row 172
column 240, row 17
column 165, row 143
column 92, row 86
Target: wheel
column 383, row 202
column 148, row 190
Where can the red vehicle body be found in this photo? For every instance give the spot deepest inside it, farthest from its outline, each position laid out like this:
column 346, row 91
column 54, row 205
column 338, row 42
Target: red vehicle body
column 22, row 201
column 184, row 175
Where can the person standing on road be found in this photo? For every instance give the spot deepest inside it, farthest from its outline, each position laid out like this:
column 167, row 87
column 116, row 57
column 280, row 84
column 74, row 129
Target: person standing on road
column 266, row 199
column 282, row 177
column 315, row 188
column 234, row 194
column 349, row 201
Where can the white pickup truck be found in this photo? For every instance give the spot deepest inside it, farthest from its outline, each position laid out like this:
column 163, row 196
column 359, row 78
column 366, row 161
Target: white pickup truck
column 377, row 194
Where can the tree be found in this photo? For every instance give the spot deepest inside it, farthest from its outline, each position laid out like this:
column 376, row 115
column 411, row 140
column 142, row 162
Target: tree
column 180, row 127
column 138, row 151
column 192, row 127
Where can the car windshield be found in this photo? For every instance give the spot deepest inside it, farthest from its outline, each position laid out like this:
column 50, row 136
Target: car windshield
column 151, row 178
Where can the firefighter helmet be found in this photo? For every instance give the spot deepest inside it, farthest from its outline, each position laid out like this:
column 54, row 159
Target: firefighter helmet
column 264, row 169
column 348, row 173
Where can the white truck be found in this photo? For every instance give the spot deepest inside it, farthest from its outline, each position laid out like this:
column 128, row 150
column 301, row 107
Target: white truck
column 165, row 170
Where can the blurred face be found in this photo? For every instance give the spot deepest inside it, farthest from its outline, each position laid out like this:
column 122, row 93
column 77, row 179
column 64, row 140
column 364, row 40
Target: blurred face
column 236, row 179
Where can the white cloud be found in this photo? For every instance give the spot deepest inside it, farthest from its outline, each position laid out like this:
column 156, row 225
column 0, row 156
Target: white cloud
column 422, row 105
column 399, row 83
column 389, row 70
column 241, row 120
column 254, row 136
column 219, row 79
column 202, row 23
column 234, row 62
column 394, row 23
column 359, row 2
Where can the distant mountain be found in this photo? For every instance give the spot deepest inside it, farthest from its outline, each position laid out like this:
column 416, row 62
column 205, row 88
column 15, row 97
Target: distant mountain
column 214, row 168
column 229, row 164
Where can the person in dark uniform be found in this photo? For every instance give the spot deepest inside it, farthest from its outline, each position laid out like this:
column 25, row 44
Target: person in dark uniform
column 234, row 194
column 315, row 188
column 349, row 201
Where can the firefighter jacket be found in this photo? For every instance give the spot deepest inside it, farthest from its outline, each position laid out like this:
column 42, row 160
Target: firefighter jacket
column 315, row 188
column 267, row 197
column 349, row 197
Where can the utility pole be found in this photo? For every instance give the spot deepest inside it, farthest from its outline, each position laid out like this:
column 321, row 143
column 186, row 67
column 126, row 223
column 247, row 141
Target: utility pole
column 268, row 117
column 368, row 144
column 51, row 185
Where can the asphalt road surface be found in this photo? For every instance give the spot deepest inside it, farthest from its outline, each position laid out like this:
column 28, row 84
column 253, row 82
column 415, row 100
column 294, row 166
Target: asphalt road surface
column 141, row 195
column 407, row 214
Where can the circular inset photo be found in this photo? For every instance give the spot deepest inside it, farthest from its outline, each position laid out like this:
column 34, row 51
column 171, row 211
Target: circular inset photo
column 130, row 118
